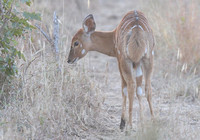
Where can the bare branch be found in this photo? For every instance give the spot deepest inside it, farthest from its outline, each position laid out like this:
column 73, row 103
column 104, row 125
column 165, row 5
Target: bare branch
column 56, row 37
column 56, row 32
column 54, row 42
column 47, row 29
column 45, row 34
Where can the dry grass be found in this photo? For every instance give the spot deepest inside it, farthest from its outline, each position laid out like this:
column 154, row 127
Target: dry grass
column 45, row 103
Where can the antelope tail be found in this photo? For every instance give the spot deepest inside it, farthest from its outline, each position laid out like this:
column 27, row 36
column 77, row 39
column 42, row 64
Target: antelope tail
column 136, row 44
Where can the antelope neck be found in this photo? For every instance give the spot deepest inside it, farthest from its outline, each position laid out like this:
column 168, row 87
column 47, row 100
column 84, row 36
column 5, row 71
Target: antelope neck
column 103, row 42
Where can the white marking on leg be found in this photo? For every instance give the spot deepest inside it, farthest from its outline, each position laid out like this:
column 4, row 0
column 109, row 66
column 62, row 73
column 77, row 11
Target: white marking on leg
column 83, row 51
column 139, row 91
column 152, row 52
column 118, row 51
column 145, row 50
column 125, row 91
column 138, row 71
column 81, row 46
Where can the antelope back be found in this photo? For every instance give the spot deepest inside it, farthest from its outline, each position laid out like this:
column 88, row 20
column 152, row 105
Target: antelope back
column 134, row 36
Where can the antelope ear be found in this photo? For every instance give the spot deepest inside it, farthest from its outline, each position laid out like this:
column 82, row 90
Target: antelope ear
column 89, row 24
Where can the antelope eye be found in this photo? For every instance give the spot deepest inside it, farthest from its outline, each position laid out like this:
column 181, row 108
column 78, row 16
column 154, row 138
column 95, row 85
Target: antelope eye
column 76, row 43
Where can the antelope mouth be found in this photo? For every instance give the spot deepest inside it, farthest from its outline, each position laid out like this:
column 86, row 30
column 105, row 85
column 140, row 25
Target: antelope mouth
column 73, row 61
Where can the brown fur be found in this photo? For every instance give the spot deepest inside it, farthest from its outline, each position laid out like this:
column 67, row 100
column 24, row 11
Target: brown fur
column 132, row 43
column 136, row 46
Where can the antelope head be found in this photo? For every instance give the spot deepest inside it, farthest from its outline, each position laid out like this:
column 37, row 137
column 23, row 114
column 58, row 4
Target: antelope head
column 81, row 42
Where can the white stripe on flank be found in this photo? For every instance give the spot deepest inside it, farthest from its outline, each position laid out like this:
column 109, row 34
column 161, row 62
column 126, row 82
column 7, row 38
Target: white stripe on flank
column 129, row 21
column 145, row 25
column 132, row 20
column 141, row 27
column 134, row 26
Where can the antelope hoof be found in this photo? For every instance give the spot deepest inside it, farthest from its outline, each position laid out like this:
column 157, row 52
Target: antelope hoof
column 122, row 124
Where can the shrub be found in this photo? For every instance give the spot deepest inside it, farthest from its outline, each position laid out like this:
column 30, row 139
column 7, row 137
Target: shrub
column 13, row 25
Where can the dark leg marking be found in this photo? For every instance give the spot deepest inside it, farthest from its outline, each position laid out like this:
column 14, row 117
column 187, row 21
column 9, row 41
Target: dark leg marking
column 122, row 124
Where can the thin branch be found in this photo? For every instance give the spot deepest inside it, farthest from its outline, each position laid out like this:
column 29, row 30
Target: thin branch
column 45, row 34
column 56, row 32
column 47, row 29
column 56, row 37
column 54, row 42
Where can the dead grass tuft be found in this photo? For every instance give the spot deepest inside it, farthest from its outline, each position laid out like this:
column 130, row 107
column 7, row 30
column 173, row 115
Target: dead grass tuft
column 187, row 21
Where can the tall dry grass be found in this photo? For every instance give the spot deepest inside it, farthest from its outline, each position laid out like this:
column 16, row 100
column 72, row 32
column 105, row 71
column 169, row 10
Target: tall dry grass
column 176, row 29
column 46, row 103
column 175, row 26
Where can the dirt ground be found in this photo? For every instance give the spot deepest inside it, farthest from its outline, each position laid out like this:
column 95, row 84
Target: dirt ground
column 176, row 94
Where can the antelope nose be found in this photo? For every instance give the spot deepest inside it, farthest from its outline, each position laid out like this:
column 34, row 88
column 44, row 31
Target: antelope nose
column 68, row 61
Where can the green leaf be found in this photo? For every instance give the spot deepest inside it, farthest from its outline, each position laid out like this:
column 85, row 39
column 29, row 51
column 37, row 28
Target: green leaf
column 1, row 59
column 22, row 55
column 19, row 54
column 32, row 16
column 17, row 26
column 28, row 2
column 15, row 43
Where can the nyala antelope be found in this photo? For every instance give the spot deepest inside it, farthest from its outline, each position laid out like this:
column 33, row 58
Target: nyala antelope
column 132, row 43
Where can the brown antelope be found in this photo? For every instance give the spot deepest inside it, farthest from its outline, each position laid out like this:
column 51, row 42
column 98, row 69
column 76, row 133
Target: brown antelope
column 132, row 43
